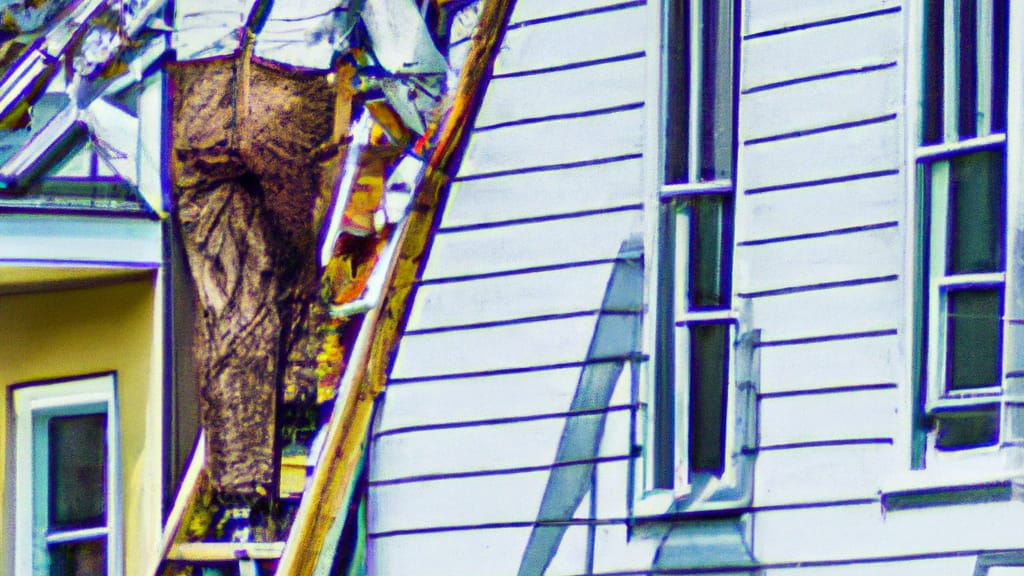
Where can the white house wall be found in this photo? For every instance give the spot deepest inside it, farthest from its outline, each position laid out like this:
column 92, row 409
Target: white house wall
column 550, row 187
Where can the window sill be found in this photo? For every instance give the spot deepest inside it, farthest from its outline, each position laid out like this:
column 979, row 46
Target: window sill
column 706, row 499
column 925, row 490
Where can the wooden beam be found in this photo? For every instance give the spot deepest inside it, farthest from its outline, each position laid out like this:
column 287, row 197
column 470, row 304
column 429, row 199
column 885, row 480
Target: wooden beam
column 324, row 502
column 188, row 492
column 225, row 551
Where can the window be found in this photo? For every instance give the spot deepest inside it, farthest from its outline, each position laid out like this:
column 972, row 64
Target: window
column 66, row 448
column 691, row 398
column 962, row 181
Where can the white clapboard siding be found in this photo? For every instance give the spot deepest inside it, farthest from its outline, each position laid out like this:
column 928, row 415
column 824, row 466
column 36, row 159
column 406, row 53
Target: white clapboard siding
column 572, row 40
column 616, row 551
column 830, row 364
column 817, row 209
column 765, row 15
column 477, row 500
column 459, row 553
column 526, row 10
column 571, row 558
column 823, row 473
column 844, row 310
column 613, row 488
column 554, row 142
column 856, row 532
column 501, row 298
column 455, row 502
column 813, row 105
column 495, row 348
column 517, row 196
column 522, row 246
column 564, row 92
column 826, row 417
column 479, row 398
column 947, row 566
column 822, row 50
column 832, row 154
column 495, row 447
column 841, row 257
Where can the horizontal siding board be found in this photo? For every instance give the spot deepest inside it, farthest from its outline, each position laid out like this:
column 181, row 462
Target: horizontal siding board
column 549, row 243
column 474, row 501
column 853, row 532
column 764, row 15
column 538, row 194
column 829, row 417
column 613, row 487
column 822, row 50
column 817, row 209
column 507, row 298
column 526, row 10
column 823, row 365
column 572, row 40
column 564, row 92
column 483, row 448
column 554, row 142
column 616, row 550
column 812, row 105
column 844, row 310
column 824, row 155
column 484, row 398
column 949, row 566
column 449, row 553
column 571, row 557
column 495, row 348
column 457, row 502
column 842, row 257
column 822, row 473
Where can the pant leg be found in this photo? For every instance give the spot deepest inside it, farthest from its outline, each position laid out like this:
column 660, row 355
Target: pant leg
column 286, row 125
column 230, row 244
column 238, row 330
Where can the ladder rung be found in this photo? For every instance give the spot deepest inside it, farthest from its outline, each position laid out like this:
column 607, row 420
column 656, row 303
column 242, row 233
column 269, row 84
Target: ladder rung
column 225, row 551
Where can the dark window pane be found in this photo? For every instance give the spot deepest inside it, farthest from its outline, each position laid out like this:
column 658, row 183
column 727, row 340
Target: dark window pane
column 710, row 247
column 677, row 96
column 963, row 430
column 85, row 558
column 664, row 390
column 976, row 213
column 716, row 91
column 78, row 471
column 968, row 69
column 973, row 338
column 931, row 132
column 709, row 356
column 1000, row 68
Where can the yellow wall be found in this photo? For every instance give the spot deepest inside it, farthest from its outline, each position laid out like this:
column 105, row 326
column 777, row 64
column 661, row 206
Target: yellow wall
column 58, row 334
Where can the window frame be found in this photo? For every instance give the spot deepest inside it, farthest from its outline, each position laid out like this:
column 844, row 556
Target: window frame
column 694, row 490
column 928, row 293
column 35, row 404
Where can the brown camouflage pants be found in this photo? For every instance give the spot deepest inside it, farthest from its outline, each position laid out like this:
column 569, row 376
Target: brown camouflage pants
column 246, row 141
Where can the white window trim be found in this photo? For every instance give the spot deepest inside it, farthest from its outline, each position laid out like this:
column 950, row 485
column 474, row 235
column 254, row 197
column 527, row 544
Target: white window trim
column 647, row 500
column 986, row 459
column 86, row 395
